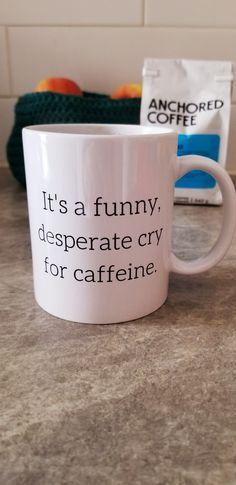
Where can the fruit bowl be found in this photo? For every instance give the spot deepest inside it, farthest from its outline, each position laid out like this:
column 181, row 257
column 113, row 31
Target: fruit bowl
column 50, row 107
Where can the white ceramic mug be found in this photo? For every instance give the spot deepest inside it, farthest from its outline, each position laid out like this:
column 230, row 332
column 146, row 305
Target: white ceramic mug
column 100, row 201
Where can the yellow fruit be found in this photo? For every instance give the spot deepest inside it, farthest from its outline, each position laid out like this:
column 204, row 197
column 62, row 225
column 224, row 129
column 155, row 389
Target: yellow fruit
column 127, row 91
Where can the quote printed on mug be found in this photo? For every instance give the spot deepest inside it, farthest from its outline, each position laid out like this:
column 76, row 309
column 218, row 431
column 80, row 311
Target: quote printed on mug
column 54, row 204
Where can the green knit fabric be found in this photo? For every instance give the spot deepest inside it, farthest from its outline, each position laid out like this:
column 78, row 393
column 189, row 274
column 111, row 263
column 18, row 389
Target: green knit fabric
column 48, row 107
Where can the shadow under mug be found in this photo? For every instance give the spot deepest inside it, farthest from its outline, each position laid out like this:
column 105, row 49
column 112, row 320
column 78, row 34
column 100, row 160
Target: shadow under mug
column 100, row 201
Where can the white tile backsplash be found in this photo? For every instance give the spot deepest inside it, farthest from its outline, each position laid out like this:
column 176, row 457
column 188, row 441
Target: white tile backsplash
column 231, row 156
column 101, row 44
column 93, row 57
column 102, row 58
column 185, row 13
column 4, row 77
column 71, row 12
column 6, row 123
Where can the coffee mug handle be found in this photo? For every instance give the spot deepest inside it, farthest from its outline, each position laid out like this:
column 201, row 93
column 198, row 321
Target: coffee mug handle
column 194, row 162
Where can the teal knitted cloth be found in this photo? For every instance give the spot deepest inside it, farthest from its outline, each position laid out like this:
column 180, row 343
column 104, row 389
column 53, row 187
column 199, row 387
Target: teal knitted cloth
column 48, row 107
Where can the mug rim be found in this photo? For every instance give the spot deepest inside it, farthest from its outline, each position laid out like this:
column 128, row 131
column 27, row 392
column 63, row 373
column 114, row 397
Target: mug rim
column 99, row 130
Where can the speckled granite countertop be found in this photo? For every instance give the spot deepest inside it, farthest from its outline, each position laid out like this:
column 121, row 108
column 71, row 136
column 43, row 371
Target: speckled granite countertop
column 151, row 402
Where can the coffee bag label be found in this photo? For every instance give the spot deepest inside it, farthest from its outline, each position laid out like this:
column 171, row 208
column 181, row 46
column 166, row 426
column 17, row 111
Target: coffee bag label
column 194, row 99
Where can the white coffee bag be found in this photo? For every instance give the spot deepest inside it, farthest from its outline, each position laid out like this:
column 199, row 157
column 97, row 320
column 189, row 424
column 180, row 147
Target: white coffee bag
column 193, row 98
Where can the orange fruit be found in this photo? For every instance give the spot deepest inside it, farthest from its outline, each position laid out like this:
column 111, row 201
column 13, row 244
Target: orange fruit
column 127, row 91
column 59, row 85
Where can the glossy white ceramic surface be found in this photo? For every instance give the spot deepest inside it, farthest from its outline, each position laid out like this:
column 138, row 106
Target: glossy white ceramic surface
column 100, row 201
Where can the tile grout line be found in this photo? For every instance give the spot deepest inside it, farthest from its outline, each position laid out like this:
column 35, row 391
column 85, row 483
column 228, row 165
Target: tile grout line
column 124, row 26
column 8, row 61
column 82, row 26
column 143, row 12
